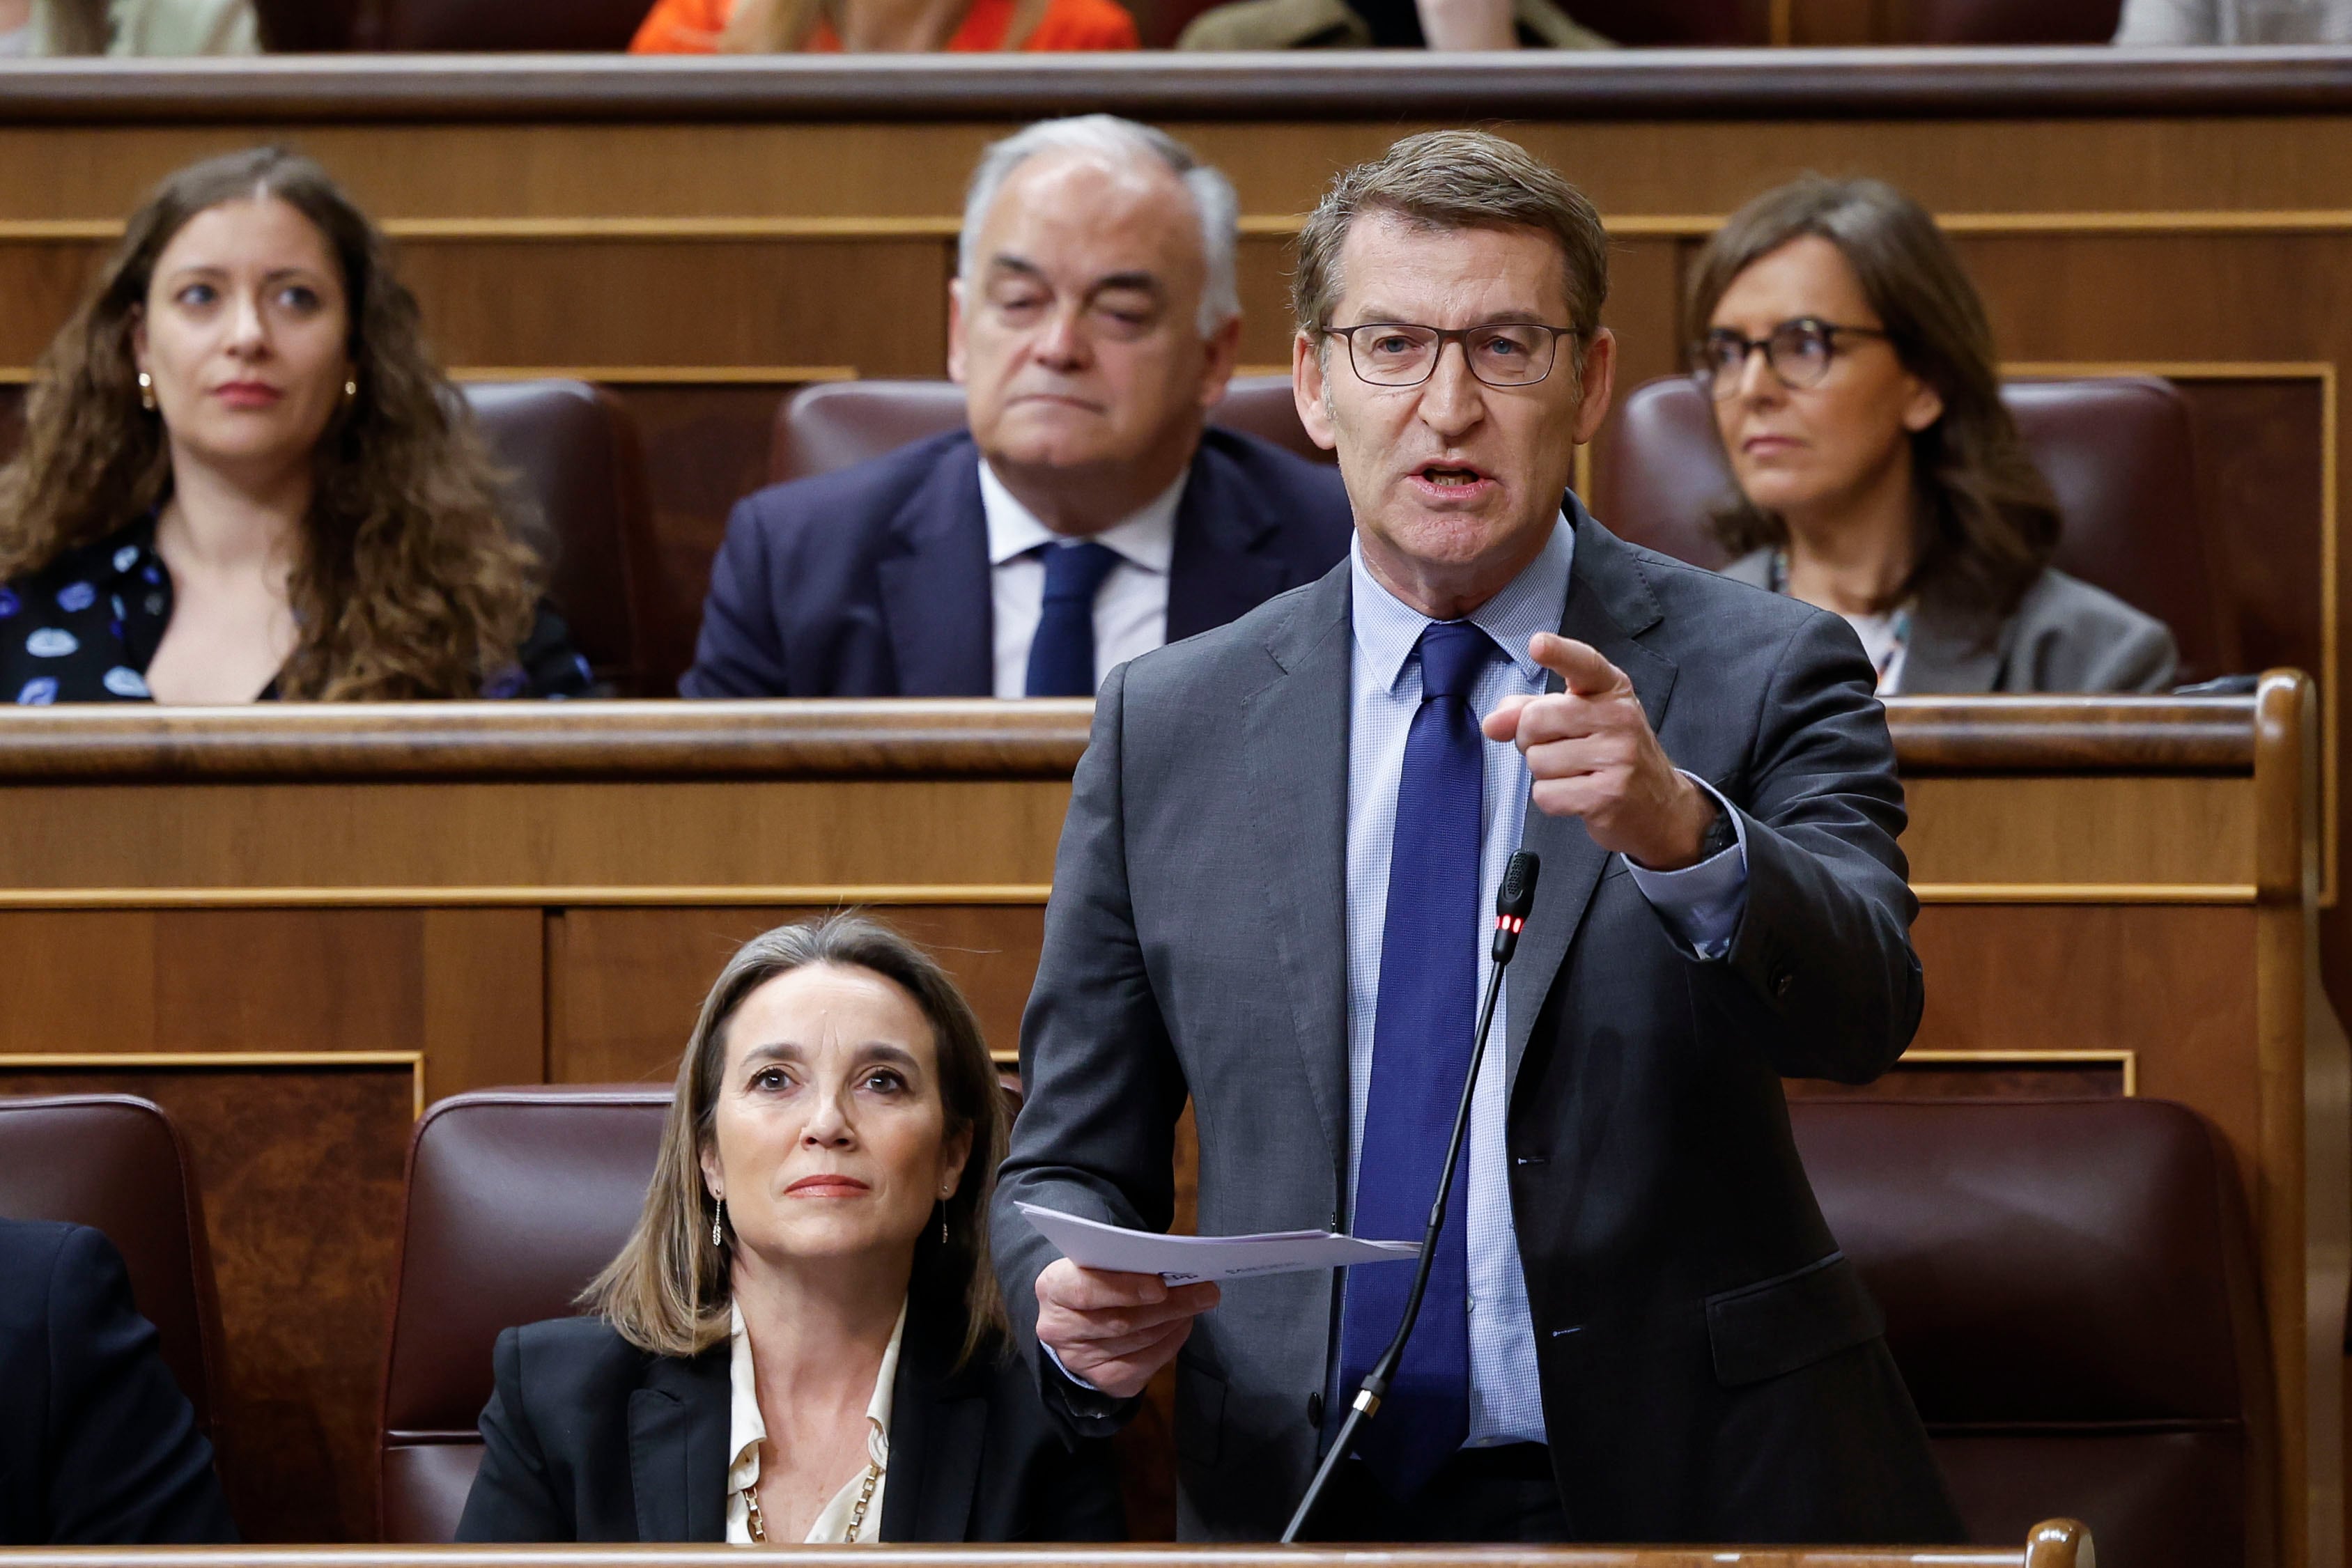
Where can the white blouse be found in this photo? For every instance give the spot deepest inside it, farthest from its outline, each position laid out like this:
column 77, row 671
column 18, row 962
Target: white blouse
column 746, row 1430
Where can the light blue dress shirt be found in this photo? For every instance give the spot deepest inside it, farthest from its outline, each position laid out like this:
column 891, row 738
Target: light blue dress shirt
column 1701, row 904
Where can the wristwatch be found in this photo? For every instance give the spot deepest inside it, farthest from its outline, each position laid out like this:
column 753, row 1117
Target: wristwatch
column 1721, row 833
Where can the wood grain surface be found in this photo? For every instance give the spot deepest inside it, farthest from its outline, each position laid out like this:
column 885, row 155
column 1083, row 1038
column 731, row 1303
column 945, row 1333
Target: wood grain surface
column 302, row 1171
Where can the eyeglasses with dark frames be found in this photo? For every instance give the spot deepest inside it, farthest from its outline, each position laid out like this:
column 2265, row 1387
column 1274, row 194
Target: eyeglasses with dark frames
column 1405, row 354
column 1798, row 352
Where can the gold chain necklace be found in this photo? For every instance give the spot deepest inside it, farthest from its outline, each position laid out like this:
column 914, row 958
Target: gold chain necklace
column 758, row 1524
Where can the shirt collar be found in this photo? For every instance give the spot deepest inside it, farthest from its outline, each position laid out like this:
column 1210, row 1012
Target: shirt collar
column 1387, row 629
column 1147, row 538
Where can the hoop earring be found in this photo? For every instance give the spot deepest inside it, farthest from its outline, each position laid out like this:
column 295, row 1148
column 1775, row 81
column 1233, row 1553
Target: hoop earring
column 718, row 1237
column 146, row 392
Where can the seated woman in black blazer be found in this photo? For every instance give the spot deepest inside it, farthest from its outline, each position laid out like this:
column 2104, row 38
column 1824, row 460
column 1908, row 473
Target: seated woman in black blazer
column 243, row 477
column 802, row 1339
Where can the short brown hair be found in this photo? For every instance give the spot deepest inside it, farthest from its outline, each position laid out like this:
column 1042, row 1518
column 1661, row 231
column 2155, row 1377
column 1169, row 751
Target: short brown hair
column 667, row 1292
column 1454, row 179
column 1987, row 520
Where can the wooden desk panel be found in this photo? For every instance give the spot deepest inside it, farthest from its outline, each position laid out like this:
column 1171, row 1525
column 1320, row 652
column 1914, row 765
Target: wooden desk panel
column 623, row 984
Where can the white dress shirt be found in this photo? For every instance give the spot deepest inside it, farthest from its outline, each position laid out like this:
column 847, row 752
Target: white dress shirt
column 1130, row 608
column 747, row 1429
column 1702, row 904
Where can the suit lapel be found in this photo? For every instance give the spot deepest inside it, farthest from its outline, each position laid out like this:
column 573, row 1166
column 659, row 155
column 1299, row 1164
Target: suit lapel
column 1296, row 737
column 677, row 1448
column 1609, row 606
column 936, row 591
column 939, row 1422
column 1216, row 576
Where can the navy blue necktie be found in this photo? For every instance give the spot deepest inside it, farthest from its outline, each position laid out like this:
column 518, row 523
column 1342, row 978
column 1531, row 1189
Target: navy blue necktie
column 1062, row 655
column 1421, row 1052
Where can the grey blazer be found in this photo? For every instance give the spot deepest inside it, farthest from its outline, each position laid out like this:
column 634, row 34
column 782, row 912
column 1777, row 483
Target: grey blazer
column 1712, row 1368
column 2065, row 636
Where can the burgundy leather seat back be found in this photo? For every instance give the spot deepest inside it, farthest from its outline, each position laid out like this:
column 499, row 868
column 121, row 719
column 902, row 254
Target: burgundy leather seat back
column 1650, row 23
column 2070, row 1291
column 835, row 425
column 118, row 1164
column 486, row 26
column 517, row 1198
column 2008, row 21
column 577, row 464
column 2116, row 451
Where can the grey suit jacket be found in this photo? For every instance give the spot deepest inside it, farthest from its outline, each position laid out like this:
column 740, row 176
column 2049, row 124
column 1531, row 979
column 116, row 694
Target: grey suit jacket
column 2065, row 636
column 1712, row 1368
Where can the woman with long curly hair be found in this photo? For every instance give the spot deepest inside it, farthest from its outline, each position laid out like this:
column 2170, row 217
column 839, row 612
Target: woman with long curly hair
column 243, row 477
column 1858, row 399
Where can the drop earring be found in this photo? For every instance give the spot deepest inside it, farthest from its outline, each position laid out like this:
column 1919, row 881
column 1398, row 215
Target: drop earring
column 718, row 1237
column 146, row 392
column 943, row 1222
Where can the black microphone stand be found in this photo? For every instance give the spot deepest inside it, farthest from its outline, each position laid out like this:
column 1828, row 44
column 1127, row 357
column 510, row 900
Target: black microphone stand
column 1513, row 901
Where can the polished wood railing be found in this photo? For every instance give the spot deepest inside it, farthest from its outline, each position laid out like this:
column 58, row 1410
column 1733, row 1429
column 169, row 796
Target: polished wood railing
column 2055, row 1543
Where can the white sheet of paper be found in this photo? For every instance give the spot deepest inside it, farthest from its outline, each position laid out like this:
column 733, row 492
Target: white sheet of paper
column 1184, row 1259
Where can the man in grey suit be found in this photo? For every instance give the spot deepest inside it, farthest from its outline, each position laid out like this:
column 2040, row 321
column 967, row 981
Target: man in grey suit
column 1271, row 897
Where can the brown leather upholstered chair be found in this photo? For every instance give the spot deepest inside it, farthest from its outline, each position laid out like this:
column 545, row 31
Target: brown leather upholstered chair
column 308, row 26
column 517, row 1197
column 481, row 26
column 2117, row 450
column 836, row 423
column 2008, row 21
column 2070, row 1291
column 578, row 467
column 118, row 1164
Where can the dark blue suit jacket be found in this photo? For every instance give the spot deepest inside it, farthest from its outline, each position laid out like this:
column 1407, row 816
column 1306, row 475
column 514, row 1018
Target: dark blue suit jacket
column 98, row 1445
column 874, row 581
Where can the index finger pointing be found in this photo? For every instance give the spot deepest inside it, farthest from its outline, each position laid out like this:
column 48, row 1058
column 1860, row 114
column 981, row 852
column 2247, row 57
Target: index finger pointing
column 1579, row 665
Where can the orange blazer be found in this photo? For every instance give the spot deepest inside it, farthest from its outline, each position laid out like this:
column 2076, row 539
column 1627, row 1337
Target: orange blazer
column 692, row 27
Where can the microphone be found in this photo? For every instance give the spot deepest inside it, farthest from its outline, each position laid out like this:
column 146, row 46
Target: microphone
column 1513, row 901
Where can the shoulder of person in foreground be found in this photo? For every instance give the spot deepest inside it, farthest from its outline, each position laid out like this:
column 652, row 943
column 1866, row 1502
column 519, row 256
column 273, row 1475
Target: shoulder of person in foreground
column 1819, row 975
column 2067, row 636
column 1729, row 611
column 806, row 542
column 1306, row 499
column 1081, row 24
column 108, row 1437
column 557, row 1388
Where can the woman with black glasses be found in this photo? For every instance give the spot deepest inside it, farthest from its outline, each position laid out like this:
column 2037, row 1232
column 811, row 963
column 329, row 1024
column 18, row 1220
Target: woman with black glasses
column 1879, row 475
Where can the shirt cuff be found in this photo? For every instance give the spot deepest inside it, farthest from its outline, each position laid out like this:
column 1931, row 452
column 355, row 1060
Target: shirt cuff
column 1702, row 904
column 1066, row 1372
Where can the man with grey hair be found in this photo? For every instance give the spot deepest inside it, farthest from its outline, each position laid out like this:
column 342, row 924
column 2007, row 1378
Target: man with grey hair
column 1088, row 512
column 1272, row 902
